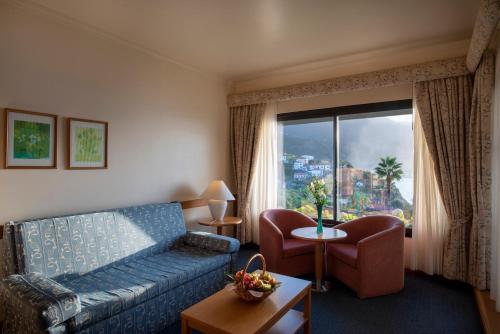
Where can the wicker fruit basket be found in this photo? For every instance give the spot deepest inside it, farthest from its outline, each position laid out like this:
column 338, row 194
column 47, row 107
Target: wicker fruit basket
column 256, row 286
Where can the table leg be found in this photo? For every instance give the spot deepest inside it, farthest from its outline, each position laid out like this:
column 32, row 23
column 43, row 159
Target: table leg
column 185, row 326
column 307, row 312
column 219, row 230
column 235, row 231
column 318, row 266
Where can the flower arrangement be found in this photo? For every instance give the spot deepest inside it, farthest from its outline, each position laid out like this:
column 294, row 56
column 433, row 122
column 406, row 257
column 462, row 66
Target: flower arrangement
column 317, row 192
column 254, row 286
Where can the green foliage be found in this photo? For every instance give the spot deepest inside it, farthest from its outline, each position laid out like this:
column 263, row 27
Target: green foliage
column 31, row 140
column 397, row 203
column 310, row 210
column 398, row 213
column 364, row 200
column 293, row 199
column 344, row 216
column 389, row 168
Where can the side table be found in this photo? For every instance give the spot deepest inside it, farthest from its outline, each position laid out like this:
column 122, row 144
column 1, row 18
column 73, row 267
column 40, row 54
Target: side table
column 309, row 234
column 228, row 221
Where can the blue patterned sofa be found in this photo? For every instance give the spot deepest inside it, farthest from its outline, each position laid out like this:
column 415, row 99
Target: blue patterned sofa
column 128, row 270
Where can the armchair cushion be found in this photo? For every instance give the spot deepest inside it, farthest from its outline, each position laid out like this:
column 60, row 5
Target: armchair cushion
column 294, row 247
column 347, row 253
column 47, row 302
column 213, row 242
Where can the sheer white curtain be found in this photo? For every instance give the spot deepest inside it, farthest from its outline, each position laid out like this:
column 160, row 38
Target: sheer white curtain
column 264, row 188
column 430, row 220
column 495, row 191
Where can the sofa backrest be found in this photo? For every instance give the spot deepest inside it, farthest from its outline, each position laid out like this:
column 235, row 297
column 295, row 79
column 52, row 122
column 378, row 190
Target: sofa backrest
column 66, row 247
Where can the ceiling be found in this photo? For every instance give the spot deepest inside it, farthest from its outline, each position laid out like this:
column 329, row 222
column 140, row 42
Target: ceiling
column 238, row 38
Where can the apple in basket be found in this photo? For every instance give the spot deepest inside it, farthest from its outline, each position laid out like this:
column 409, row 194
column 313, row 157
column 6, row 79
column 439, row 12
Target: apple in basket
column 256, row 283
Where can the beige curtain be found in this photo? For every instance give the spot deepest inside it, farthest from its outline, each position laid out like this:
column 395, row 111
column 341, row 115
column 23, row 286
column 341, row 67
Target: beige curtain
column 245, row 129
column 480, row 172
column 444, row 107
column 264, row 189
column 430, row 223
column 495, row 190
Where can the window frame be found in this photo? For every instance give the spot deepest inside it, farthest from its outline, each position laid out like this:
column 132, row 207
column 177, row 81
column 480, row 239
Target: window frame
column 335, row 113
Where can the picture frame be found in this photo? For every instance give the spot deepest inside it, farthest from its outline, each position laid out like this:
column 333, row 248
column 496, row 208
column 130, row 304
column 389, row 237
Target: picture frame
column 87, row 144
column 30, row 140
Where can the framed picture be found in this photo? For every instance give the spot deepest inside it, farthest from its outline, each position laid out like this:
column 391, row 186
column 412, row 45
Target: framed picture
column 30, row 139
column 87, row 144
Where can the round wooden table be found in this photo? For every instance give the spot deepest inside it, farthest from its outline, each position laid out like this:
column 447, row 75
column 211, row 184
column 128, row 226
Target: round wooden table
column 228, row 221
column 309, row 234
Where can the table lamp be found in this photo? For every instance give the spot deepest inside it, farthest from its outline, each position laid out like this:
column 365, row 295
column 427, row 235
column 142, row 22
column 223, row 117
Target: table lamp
column 217, row 195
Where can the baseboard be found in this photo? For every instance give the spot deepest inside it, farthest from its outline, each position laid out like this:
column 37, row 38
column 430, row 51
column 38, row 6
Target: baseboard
column 489, row 316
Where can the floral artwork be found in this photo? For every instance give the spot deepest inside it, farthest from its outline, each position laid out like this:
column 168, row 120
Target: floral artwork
column 31, row 139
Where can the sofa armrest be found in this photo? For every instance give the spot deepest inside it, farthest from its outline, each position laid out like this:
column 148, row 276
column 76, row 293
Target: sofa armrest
column 41, row 302
column 210, row 241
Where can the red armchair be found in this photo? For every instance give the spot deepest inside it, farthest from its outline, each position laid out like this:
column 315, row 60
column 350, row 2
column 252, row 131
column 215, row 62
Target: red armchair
column 285, row 254
column 370, row 260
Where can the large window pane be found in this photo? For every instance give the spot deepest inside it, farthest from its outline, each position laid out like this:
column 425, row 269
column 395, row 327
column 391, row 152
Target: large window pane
column 307, row 148
column 375, row 169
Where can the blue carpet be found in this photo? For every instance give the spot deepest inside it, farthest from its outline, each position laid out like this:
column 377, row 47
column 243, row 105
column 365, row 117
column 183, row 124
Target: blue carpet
column 427, row 305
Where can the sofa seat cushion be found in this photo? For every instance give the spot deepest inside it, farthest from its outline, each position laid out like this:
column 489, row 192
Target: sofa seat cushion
column 347, row 253
column 113, row 290
column 295, row 247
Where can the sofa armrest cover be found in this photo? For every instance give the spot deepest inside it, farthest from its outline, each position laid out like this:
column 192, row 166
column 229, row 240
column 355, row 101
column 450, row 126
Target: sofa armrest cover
column 43, row 302
column 210, row 241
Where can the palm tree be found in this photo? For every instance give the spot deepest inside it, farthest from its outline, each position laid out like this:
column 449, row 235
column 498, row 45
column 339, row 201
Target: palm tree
column 390, row 169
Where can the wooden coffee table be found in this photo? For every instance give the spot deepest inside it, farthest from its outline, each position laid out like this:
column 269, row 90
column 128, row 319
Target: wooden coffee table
column 224, row 312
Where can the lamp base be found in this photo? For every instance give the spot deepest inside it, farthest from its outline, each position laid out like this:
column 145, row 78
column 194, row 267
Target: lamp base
column 217, row 208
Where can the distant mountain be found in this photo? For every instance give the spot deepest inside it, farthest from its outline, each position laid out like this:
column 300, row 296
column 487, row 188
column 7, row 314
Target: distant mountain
column 362, row 141
column 309, row 139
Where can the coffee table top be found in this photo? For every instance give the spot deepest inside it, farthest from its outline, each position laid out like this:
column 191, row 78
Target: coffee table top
column 309, row 233
column 225, row 312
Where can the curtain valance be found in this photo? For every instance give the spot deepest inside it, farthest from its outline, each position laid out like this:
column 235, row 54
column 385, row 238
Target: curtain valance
column 391, row 77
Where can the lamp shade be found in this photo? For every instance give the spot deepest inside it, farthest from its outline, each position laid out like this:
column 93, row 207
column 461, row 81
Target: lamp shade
column 217, row 190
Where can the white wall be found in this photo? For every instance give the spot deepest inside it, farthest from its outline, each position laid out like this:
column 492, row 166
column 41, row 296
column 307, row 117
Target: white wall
column 168, row 125
column 353, row 64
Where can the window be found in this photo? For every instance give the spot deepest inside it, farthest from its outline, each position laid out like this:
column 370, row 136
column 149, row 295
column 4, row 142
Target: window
column 302, row 159
column 363, row 153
